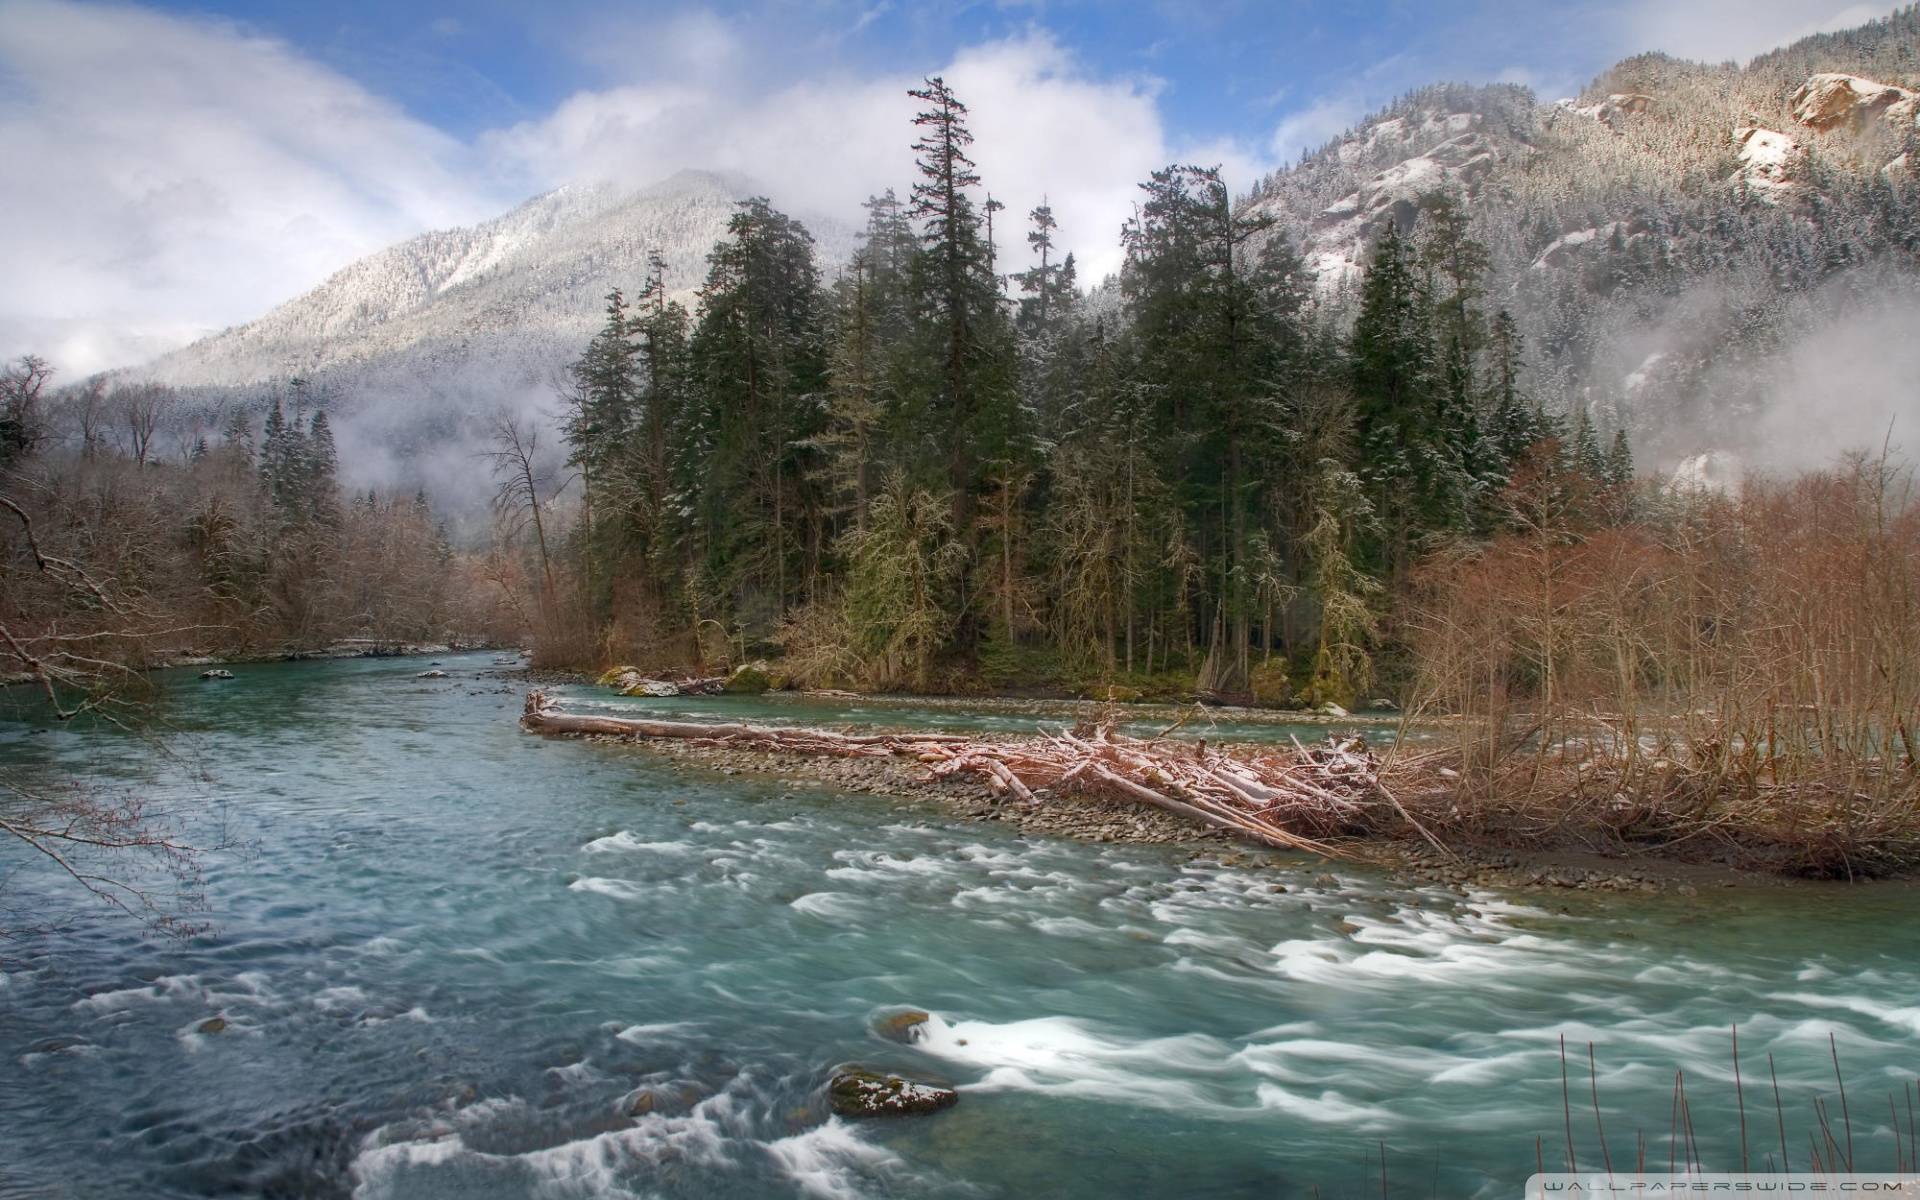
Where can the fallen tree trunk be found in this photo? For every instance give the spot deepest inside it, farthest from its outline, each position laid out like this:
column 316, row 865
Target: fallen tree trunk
column 542, row 717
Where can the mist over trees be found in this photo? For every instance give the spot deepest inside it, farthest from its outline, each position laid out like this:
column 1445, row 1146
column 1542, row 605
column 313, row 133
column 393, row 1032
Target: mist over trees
column 939, row 472
column 229, row 538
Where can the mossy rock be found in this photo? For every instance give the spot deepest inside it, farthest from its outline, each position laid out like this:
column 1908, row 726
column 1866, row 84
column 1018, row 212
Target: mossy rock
column 856, row 1092
column 614, row 677
column 212, row 1025
column 1271, row 687
column 750, row 679
column 905, row 1027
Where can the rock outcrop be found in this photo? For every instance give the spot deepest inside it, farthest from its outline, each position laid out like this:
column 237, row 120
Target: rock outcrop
column 1831, row 100
column 1338, row 241
column 1610, row 111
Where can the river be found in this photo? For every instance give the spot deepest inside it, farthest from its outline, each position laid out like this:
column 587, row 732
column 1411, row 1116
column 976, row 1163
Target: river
column 454, row 960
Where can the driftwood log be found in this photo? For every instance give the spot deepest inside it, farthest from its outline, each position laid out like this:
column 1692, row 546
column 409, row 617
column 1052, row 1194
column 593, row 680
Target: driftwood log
column 1291, row 799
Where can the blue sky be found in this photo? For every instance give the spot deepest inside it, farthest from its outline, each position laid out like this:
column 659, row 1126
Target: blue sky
column 201, row 161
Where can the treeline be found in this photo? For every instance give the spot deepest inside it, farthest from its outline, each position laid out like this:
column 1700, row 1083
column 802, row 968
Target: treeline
column 937, row 470
column 117, row 551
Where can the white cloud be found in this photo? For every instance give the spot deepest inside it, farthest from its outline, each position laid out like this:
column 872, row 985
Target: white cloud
column 1722, row 30
column 1316, row 125
column 1042, row 127
column 167, row 176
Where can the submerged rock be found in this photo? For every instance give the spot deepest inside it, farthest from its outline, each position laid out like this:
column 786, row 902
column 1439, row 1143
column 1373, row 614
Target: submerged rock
column 212, row 1025
column 856, row 1092
column 435, row 674
column 905, row 1027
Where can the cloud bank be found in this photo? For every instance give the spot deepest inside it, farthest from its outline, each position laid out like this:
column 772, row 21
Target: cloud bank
column 170, row 176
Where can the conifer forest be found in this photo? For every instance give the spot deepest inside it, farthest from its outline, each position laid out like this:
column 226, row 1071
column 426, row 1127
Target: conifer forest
column 939, row 469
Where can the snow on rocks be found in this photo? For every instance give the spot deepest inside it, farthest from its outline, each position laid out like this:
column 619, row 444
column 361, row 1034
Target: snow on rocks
column 1713, row 471
column 1610, row 110
column 1396, row 133
column 1339, row 236
column 857, row 1092
column 1563, row 249
column 1772, row 165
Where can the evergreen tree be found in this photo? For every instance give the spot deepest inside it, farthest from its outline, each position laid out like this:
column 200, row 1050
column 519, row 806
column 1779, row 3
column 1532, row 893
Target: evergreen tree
column 1393, row 379
column 1049, row 285
column 322, row 465
column 971, row 408
column 1618, row 470
column 605, row 390
column 758, row 353
column 1214, row 298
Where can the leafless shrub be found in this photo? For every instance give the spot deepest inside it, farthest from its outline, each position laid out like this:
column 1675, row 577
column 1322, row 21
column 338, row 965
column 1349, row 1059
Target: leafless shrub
column 1745, row 667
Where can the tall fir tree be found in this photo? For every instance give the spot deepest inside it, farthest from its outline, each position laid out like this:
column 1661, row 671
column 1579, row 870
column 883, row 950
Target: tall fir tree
column 759, row 355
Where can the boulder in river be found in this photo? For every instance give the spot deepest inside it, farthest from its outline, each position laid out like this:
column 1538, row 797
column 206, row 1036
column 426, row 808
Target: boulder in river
column 857, row 1092
column 434, row 674
column 217, row 673
column 906, row 1027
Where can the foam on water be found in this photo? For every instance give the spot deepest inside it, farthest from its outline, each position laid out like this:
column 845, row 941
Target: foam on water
column 1067, row 1057
column 838, row 908
column 717, row 1137
column 832, row 1162
column 627, row 841
column 1903, row 1018
column 618, row 889
column 642, row 1034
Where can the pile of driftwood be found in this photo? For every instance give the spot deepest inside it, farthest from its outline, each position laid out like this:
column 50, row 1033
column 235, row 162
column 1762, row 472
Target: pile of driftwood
column 1289, row 798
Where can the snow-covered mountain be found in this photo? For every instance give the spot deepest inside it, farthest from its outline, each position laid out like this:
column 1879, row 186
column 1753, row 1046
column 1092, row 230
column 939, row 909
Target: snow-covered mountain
column 415, row 350
column 535, row 276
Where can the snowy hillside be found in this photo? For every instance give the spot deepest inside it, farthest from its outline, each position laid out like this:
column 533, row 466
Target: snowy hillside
column 1684, row 246
column 536, row 274
column 416, row 348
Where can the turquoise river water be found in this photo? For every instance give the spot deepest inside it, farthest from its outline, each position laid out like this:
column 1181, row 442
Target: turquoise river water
column 455, row 960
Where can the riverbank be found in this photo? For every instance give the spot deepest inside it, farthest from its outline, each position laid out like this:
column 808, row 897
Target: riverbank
column 1538, row 868
column 1556, row 818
